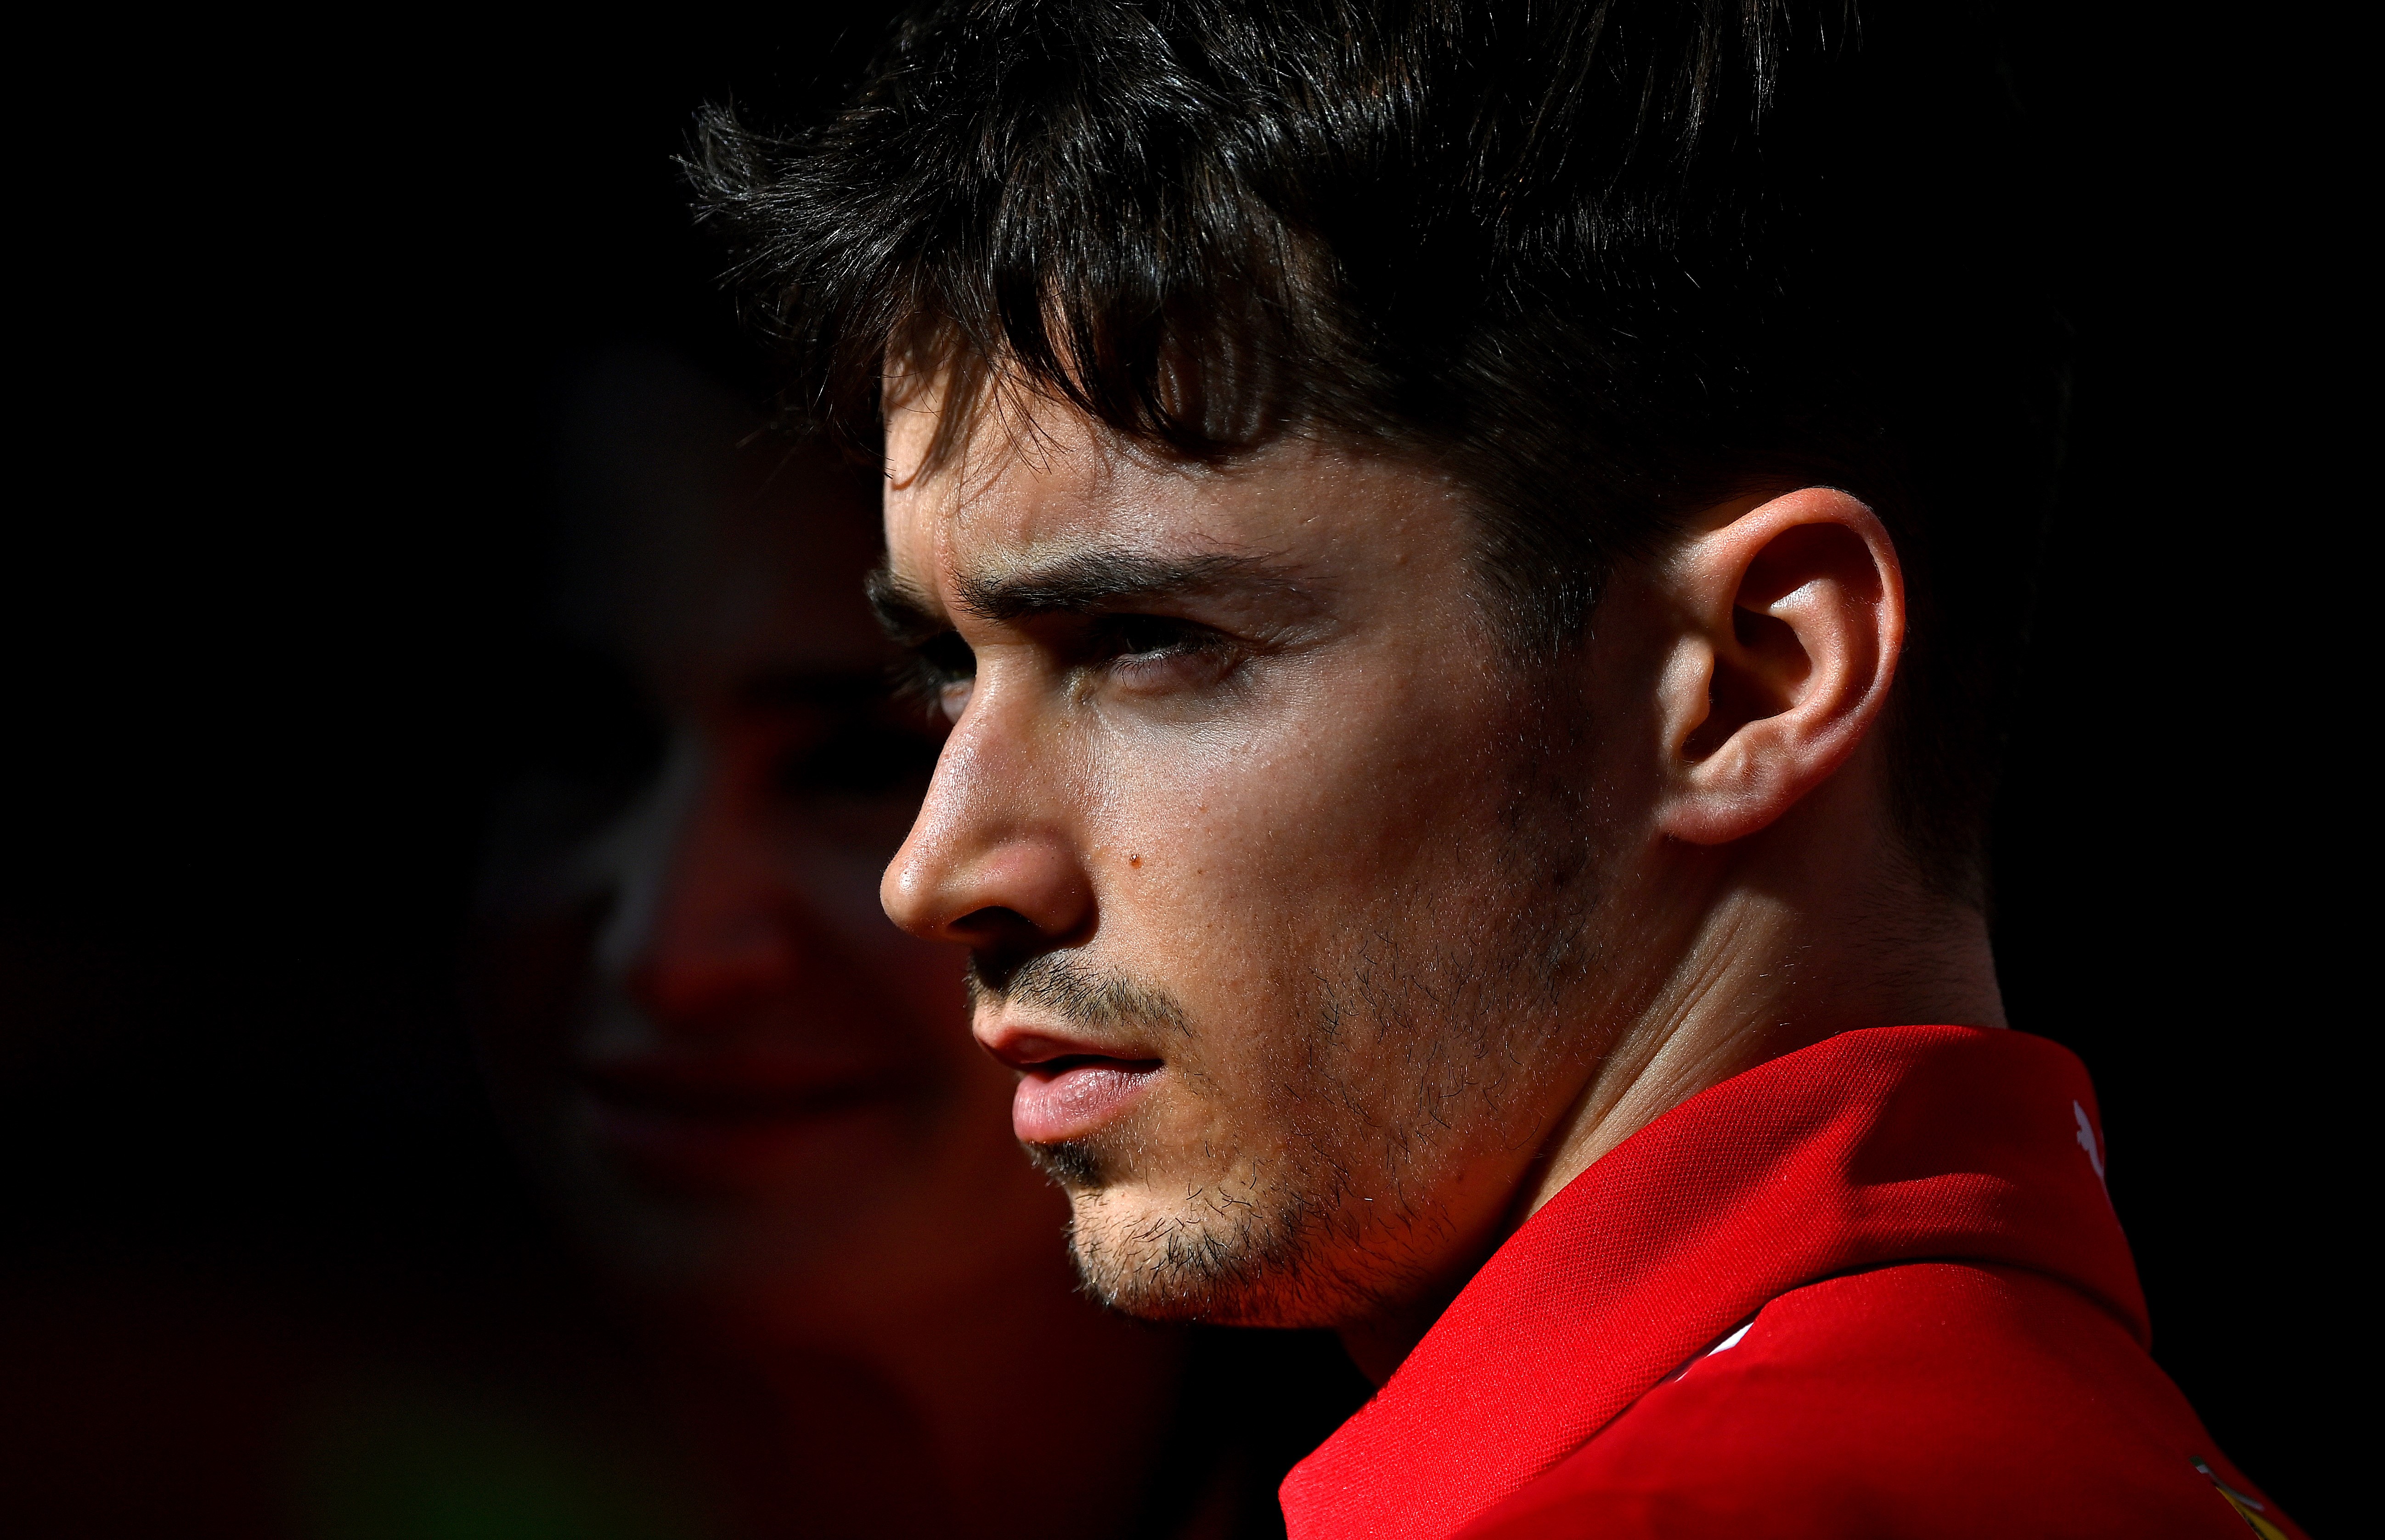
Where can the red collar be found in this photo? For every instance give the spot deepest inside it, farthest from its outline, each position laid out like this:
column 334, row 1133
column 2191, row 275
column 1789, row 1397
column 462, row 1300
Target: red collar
column 1894, row 1143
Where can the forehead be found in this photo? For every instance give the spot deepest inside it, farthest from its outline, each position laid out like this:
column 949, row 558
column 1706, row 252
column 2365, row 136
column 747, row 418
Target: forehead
column 696, row 549
column 1023, row 489
column 757, row 571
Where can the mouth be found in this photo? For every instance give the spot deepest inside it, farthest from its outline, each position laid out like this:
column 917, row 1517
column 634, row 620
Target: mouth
column 1065, row 1093
column 707, row 1122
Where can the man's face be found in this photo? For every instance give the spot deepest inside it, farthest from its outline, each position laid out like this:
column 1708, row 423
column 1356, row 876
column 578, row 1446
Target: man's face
column 1262, row 846
column 746, row 1088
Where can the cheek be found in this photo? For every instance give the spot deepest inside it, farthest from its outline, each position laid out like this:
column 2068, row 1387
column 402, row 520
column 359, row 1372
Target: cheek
column 919, row 981
column 1286, row 877
column 1333, row 799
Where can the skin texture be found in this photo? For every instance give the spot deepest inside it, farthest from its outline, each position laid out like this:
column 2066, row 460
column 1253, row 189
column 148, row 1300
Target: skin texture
column 1328, row 940
column 756, row 1103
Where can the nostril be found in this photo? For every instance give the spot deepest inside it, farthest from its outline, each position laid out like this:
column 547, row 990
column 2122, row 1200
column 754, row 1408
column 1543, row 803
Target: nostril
column 992, row 926
column 948, row 887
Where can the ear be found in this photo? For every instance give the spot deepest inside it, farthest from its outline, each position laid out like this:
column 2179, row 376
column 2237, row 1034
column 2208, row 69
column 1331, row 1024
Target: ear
column 1792, row 616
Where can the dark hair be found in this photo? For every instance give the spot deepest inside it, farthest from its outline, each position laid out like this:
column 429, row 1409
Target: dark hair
column 1604, row 262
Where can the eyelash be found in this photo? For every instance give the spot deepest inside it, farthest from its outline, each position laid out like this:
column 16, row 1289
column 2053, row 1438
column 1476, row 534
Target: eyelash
column 938, row 674
column 1120, row 637
column 930, row 673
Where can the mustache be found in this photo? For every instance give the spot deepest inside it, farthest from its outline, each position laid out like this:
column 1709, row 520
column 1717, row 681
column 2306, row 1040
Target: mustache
column 1057, row 983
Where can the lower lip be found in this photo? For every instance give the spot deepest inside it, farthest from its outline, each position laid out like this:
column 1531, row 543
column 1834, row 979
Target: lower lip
column 702, row 1151
column 1049, row 1109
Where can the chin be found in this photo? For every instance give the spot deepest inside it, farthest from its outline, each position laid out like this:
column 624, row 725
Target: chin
column 705, row 1215
column 764, row 1262
column 1144, row 1254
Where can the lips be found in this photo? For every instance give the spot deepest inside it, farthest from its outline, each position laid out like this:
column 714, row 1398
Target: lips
column 711, row 1121
column 1067, row 1088
column 1069, row 1099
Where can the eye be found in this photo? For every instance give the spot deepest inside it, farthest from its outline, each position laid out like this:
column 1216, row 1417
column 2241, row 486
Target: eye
column 1150, row 637
column 936, row 673
column 1159, row 652
column 949, row 657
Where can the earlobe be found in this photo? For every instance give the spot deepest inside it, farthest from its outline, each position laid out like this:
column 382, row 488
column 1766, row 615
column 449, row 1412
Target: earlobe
column 1793, row 614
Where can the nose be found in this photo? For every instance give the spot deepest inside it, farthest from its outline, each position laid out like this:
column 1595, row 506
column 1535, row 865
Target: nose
column 990, row 860
column 710, row 933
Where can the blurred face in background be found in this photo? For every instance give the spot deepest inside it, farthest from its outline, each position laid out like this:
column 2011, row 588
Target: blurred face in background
column 746, row 1088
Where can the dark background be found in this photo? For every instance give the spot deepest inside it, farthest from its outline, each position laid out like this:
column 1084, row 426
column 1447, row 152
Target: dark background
column 300, row 306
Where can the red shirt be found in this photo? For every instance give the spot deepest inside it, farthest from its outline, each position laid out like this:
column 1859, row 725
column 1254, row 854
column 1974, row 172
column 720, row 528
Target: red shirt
column 1873, row 1287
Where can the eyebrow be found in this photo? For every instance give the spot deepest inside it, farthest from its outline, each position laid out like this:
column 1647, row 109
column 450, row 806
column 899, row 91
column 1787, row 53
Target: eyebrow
column 907, row 613
column 1083, row 583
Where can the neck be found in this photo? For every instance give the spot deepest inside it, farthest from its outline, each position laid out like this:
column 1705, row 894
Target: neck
column 937, row 1422
column 1819, row 925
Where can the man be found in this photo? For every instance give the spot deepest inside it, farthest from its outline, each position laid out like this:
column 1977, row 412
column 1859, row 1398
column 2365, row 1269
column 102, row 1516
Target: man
column 1472, row 554
column 756, row 1103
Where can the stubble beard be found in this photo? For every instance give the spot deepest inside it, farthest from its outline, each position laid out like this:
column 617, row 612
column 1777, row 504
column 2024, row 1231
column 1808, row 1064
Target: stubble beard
column 1414, row 1041
column 1239, row 1248
column 1227, row 1243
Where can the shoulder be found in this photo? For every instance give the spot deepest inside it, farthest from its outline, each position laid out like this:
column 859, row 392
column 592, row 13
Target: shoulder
column 1930, row 1398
